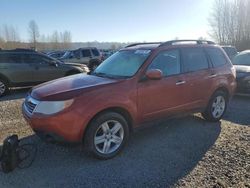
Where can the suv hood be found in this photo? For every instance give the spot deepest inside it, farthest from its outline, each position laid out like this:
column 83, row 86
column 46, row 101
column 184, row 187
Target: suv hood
column 242, row 68
column 68, row 87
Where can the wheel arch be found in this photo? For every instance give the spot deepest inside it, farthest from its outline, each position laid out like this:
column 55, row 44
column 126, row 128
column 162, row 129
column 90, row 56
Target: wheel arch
column 120, row 110
column 5, row 79
column 224, row 90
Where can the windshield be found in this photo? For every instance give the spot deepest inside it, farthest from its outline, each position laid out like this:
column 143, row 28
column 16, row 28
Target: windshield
column 243, row 59
column 122, row 64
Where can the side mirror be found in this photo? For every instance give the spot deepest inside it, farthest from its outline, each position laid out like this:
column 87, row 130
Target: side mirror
column 154, row 74
column 54, row 63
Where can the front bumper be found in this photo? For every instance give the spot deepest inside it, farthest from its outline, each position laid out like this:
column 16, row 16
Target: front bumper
column 65, row 126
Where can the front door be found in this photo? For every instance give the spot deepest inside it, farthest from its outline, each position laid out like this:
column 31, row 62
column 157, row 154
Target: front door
column 44, row 69
column 159, row 98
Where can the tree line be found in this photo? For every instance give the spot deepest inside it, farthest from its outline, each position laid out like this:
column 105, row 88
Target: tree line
column 230, row 23
column 10, row 38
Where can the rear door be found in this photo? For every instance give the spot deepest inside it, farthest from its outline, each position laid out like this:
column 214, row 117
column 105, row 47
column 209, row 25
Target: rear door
column 198, row 76
column 17, row 71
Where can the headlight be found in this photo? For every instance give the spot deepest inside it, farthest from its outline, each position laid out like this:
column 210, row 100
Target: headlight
column 52, row 107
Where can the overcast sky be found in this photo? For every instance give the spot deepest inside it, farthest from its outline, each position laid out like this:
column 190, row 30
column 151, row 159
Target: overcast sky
column 111, row 20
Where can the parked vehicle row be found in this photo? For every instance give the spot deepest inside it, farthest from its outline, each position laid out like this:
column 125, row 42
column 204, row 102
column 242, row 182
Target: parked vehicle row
column 106, row 53
column 23, row 67
column 56, row 54
column 242, row 65
column 135, row 86
column 88, row 56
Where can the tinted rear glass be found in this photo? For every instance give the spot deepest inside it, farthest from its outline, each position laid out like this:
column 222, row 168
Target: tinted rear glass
column 86, row 53
column 216, row 56
column 194, row 59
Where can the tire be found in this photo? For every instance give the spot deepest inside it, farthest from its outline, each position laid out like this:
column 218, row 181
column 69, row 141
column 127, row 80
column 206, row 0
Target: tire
column 3, row 87
column 106, row 135
column 217, row 107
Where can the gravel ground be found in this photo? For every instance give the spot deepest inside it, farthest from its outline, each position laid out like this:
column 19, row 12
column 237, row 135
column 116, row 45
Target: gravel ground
column 185, row 152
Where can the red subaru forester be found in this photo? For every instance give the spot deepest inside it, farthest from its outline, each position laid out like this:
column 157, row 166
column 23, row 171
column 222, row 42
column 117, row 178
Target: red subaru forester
column 139, row 84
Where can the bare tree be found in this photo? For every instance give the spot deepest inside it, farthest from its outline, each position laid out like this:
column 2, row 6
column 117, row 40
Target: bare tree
column 34, row 33
column 230, row 23
column 66, row 39
column 9, row 37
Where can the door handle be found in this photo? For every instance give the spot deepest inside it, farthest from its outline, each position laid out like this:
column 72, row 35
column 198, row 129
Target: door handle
column 212, row 76
column 180, row 83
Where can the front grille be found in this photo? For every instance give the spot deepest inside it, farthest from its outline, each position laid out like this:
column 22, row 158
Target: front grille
column 30, row 105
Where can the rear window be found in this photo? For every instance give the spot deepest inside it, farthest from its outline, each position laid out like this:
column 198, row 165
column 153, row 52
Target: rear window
column 95, row 52
column 194, row 59
column 216, row 56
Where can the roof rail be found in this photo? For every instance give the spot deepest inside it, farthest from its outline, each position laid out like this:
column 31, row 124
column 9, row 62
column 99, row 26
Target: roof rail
column 142, row 43
column 23, row 49
column 172, row 42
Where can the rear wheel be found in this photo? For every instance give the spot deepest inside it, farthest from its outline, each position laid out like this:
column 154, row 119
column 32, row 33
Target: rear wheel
column 217, row 107
column 3, row 87
column 106, row 135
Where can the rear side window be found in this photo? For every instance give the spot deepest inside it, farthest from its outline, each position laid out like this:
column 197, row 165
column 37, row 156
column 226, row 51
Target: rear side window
column 35, row 59
column 86, row 53
column 194, row 59
column 95, row 52
column 168, row 62
column 216, row 56
column 10, row 58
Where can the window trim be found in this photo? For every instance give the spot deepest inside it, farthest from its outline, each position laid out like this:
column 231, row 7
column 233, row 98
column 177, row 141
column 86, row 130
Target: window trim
column 211, row 62
column 165, row 50
column 206, row 55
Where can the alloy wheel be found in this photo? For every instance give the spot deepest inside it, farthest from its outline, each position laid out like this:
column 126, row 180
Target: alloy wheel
column 2, row 88
column 108, row 137
column 218, row 106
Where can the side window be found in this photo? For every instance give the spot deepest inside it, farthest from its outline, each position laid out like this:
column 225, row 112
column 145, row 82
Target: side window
column 95, row 52
column 10, row 58
column 86, row 53
column 35, row 59
column 216, row 56
column 168, row 62
column 194, row 59
column 76, row 54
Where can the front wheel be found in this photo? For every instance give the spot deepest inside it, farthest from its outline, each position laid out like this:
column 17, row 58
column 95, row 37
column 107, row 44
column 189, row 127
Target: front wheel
column 3, row 87
column 106, row 135
column 217, row 107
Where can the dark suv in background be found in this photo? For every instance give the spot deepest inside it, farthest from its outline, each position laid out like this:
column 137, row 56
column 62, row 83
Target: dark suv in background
column 231, row 51
column 88, row 56
column 21, row 67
